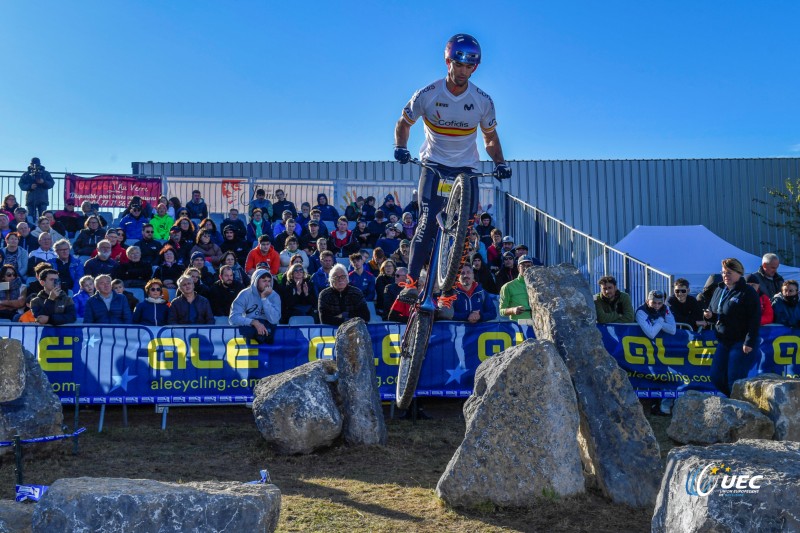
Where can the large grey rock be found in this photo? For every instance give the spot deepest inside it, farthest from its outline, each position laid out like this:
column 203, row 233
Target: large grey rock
column 15, row 517
column 520, row 441
column 699, row 418
column 778, row 398
column 144, row 505
column 619, row 445
column 296, row 410
column 773, row 506
column 12, row 370
column 35, row 413
column 358, row 386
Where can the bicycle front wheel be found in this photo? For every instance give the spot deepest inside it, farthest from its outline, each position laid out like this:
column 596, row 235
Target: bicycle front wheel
column 412, row 355
column 454, row 234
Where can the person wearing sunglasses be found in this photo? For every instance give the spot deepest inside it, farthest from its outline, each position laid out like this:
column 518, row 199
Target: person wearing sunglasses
column 152, row 311
column 685, row 309
column 12, row 292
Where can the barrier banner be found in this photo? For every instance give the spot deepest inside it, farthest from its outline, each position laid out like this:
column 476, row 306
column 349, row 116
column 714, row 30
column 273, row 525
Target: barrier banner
column 111, row 190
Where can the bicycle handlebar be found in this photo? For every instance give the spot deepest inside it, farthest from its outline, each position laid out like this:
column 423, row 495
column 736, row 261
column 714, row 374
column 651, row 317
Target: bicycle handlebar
column 436, row 170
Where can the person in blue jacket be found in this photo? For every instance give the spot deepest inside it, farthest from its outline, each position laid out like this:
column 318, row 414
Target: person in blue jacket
column 106, row 306
column 784, row 305
column 152, row 311
column 133, row 222
column 472, row 304
column 327, row 211
column 360, row 278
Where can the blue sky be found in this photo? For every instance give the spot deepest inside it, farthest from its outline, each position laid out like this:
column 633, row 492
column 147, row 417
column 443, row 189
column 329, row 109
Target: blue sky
column 91, row 86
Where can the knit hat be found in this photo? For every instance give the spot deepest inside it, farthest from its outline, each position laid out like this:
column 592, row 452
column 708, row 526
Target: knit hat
column 198, row 254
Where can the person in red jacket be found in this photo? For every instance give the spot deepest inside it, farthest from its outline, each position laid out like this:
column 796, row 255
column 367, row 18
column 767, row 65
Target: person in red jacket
column 263, row 253
column 767, row 313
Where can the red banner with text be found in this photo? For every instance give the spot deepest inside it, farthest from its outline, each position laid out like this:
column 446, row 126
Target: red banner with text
column 111, row 190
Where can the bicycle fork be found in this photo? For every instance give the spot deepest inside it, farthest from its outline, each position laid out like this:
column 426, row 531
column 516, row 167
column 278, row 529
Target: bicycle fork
column 428, row 303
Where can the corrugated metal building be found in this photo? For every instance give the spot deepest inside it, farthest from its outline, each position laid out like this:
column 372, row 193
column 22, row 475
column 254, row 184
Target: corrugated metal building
column 604, row 198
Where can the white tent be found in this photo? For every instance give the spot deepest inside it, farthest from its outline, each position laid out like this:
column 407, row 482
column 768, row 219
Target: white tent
column 691, row 252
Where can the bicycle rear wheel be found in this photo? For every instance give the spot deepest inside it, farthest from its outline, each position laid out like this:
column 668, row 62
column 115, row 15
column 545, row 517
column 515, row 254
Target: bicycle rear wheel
column 454, row 235
column 412, row 355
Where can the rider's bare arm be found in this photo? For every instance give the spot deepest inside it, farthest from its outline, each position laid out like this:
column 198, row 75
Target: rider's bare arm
column 492, row 142
column 401, row 132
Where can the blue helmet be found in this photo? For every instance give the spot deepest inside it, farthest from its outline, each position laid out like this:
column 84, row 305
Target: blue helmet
column 464, row 49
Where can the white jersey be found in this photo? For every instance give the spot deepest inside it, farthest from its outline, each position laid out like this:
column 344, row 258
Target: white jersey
column 451, row 123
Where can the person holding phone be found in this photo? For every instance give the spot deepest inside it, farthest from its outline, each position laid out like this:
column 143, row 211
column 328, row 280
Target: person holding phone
column 52, row 306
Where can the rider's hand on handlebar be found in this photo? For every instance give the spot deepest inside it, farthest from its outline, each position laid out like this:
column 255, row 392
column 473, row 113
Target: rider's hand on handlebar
column 402, row 154
column 502, row 171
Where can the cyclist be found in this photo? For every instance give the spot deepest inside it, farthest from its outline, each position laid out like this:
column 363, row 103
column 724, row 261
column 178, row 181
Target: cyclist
column 452, row 109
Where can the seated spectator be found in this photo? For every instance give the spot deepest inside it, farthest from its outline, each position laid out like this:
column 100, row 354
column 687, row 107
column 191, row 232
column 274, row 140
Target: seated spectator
column 263, row 253
column 483, row 275
column 514, row 301
column 292, row 251
column 256, row 310
column 197, row 207
column 472, row 303
column 361, row 235
column 654, row 317
column 320, row 278
column 281, row 205
column 327, row 211
column 57, row 226
column 257, row 227
column 117, row 249
column 153, row 310
column 88, row 209
column 353, row 211
column 68, row 218
column 298, row 297
column 69, row 269
column 767, row 313
column 261, row 203
column 378, row 257
column 522, row 249
column 341, row 301
column 385, row 277
column 5, row 229
column 224, row 291
column 291, row 230
column 211, row 229
column 239, row 275
column 409, row 225
column 508, row 271
column 27, row 316
column 198, row 262
column 389, row 242
column 360, row 278
column 169, row 270
column 295, row 260
column 89, row 236
column 400, row 256
column 135, row 273
column 685, row 310
column 118, row 286
column 236, row 224
column 14, row 255
column 771, row 282
column 787, row 312
column 484, row 230
column 43, row 254
column 106, row 306
column 476, row 246
column 9, row 205
column 279, row 226
column 494, row 252
column 52, row 306
column 20, row 215
column 189, row 308
column 239, row 247
column 368, row 210
column 210, row 251
column 314, row 258
column 86, row 292
column 310, row 236
column 27, row 242
column 180, row 213
column 43, row 226
column 611, row 304
column 179, row 247
column 34, row 287
column 132, row 223
column 390, row 293
column 413, row 206
column 389, row 208
column 303, row 217
column 173, row 207
column 144, row 207
column 149, row 246
column 316, row 216
column 188, row 231
column 161, row 223
column 12, row 292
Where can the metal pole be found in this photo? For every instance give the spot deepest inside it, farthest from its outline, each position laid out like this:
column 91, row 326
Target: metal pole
column 18, row 459
column 76, row 421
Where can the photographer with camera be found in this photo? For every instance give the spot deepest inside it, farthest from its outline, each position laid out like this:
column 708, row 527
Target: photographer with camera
column 36, row 182
column 52, row 306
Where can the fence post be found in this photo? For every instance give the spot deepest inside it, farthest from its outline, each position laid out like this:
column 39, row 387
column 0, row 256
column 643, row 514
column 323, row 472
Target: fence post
column 18, row 459
column 626, row 273
column 77, row 409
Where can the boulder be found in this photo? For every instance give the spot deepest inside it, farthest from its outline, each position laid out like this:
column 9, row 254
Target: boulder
column 36, row 412
column 358, row 386
column 15, row 517
column 699, row 418
column 144, row 505
column 520, row 442
column 296, row 410
column 718, row 488
column 620, row 447
column 778, row 398
column 12, row 370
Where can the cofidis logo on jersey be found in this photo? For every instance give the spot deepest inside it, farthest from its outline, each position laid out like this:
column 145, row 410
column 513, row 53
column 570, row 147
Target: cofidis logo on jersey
column 724, row 479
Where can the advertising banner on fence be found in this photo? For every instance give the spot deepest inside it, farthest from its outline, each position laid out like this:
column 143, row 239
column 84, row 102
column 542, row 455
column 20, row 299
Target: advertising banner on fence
column 111, row 190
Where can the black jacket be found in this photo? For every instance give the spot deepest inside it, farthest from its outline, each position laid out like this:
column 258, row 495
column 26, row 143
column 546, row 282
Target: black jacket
column 349, row 303
column 736, row 314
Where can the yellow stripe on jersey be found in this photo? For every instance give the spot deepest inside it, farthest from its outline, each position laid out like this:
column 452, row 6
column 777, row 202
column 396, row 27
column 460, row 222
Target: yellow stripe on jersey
column 489, row 130
column 452, row 132
column 407, row 118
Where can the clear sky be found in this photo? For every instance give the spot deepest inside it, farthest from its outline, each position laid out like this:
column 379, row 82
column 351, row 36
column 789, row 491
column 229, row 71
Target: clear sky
column 90, row 86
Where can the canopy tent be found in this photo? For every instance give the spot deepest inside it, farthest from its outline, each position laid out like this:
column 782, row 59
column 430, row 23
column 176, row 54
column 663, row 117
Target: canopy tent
column 691, row 252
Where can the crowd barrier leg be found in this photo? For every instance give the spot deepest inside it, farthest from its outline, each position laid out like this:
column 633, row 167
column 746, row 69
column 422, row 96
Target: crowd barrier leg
column 103, row 416
column 18, row 460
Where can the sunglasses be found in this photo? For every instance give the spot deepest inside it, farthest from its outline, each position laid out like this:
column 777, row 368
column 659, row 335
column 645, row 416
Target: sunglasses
column 10, row 275
column 155, row 289
column 681, row 291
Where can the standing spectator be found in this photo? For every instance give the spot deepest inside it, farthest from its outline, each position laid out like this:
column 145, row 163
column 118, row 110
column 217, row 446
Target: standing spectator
column 385, row 277
column 135, row 273
column 474, row 245
column 102, row 262
column 14, row 255
column 118, row 286
column 389, row 208
column 767, row 313
column 12, row 292
column 211, row 252
column 89, row 236
column 52, row 306
column 298, row 297
column 197, row 207
column 611, row 304
column 234, row 222
column 341, row 301
column 86, row 292
column 106, row 306
column 69, row 269
column 654, row 317
column 153, row 310
column 239, row 247
column 484, row 230
column 704, row 298
column 320, row 277
column 261, row 203
column 327, row 211
column 258, row 226
column 224, row 291
column 360, row 278
column 263, row 253
column 483, row 274
column 36, row 182
column 256, row 310
column 472, row 303
column 281, row 205
column 169, row 270
column 494, row 252
column 161, row 223
column 189, row 308
column 735, row 311
column 787, row 312
column 514, row 301
column 768, row 277
column 291, row 251
column 43, row 254
column 133, row 223
column 685, row 310
column 149, row 246
column 508, row 271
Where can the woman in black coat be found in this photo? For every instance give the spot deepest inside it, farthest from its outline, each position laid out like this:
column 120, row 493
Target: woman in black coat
column 298, row 297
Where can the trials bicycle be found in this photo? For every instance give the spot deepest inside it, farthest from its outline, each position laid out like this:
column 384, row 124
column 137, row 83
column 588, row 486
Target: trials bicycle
column 442, row 271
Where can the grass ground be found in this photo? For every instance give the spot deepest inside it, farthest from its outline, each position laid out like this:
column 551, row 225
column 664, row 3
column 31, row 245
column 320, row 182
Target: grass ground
column 387, row 488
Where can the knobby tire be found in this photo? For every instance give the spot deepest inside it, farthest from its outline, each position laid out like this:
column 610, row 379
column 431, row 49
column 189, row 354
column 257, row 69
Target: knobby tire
column 412, row 354
column 454, row 234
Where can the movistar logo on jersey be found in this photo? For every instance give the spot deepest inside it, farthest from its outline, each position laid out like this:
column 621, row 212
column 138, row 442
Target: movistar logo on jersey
column 468, row 107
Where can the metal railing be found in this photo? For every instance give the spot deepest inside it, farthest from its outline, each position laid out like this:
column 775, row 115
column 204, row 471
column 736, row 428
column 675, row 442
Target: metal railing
column 554, row 242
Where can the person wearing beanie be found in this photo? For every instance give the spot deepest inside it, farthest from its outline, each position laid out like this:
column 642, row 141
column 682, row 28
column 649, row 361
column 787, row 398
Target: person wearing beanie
column 391, row 208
